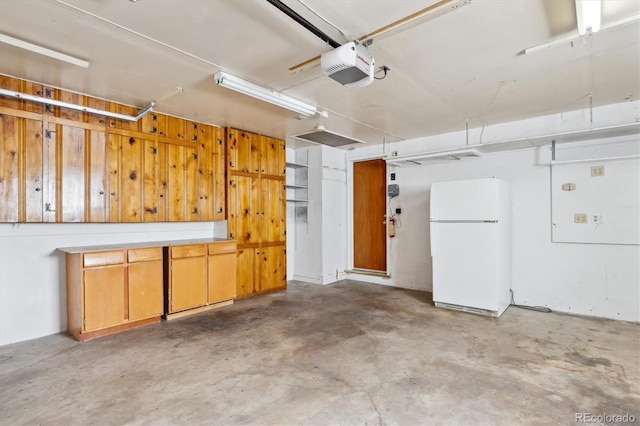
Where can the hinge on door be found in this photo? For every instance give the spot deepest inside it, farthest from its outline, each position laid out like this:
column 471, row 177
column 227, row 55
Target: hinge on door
column 155, row 118
column 47, row 133
column 232, row 182
column 48, row 108
column 47, row 208
column 48, row 93
column 219, row 141
column 154, row 149
column 230, row 163
column 195, row 156
column 231, row 235
column 195, row 138
column 155, row 129
column 195, row 210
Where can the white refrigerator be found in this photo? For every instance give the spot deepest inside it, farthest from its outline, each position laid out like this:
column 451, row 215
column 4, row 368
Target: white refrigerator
column 470, row 246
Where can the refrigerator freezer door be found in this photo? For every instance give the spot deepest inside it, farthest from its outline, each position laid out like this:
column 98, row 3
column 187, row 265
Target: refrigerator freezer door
column 466, row 264
column 477, row 199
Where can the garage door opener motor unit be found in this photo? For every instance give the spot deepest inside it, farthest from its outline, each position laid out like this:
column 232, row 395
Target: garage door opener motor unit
column 350, row 65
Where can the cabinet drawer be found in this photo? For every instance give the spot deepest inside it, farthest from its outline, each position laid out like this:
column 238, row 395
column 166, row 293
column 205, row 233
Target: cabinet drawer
column 223, row 247
column 144, row 254
column 178, row 252
column 103, row 258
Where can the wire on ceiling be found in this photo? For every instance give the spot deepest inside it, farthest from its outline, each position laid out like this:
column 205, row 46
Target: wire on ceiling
column 345, row 35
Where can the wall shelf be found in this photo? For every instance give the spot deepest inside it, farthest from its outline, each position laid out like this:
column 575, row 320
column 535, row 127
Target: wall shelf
column 296, row 165
column 297, row 187
column 292, row 200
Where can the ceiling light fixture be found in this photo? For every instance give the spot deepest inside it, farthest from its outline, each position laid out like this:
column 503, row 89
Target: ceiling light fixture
column 48, row 101
column 42, row 51
column 588, row 13
column 263, row 93
column 573, row 37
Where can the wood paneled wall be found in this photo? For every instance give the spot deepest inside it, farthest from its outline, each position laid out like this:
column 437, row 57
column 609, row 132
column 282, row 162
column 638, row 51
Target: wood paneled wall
column 62, row 165
column 257, row 210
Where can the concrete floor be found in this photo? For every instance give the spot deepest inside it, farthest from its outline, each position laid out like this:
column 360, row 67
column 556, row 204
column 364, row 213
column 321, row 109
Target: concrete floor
column 348, row 353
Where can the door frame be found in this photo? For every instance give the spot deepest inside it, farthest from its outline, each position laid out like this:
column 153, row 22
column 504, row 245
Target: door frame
column 350, row 249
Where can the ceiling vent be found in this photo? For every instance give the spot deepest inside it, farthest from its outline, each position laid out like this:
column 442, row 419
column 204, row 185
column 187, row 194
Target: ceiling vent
column 427, row 158
column 324, row 137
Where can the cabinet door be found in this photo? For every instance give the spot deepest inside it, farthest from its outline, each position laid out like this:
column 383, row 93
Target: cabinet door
column 176, row 168
column 202, row 135
column 246, row 274
column 145, row 290
column 71, row 149
column 97, row 177
column 188, row 283
column 244, row 151
column 151, row 186
column 272, row 210
column 272, row 268
column 104, row 294
column 272, row 156
column 244, row 209
column 132, row 178
column 222, row 277
column 219, row 173
column 9, row 161
column 191, row 184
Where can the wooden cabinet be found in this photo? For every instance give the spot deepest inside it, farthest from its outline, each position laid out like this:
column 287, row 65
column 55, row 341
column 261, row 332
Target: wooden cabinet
column 63, row 165
column 109, row 290
column 221, row 272
column 114, row 288
column 187, row 277
column 200, row 277
column 256, row 210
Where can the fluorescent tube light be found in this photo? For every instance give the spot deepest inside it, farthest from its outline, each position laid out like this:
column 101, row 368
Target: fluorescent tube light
column 144, row 111
column 589, row 14
column 573, row 37
column 263, row 93
column 42, row 51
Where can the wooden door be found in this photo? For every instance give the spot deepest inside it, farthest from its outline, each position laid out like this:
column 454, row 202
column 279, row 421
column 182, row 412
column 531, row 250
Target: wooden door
column 132, row 179
column 98, row 175
column 219, row 172
column 176, row 169
column 246, row 273
column 272, row 268
column 221, row 277
column 151, row 183
column 10, row 135
column 145, row 290
column 71, row 149
column 272, row 156
column 191, row 184
column 244, row 209
column 202, row 135
column 369, row 215
column 188, row 280
column 272, row 210
column 104, row 291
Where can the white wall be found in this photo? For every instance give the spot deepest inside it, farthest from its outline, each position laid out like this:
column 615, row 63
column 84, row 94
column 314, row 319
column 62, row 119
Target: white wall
column 590, row 279
column 320, row 245
column 32, row 270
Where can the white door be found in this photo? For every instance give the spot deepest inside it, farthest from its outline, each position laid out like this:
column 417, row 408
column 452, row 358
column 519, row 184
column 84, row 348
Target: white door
column 466, row 264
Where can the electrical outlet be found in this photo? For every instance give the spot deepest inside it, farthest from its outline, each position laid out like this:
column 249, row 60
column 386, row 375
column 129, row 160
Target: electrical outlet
column 579, row 218
column 597, row 171
column 597, row 218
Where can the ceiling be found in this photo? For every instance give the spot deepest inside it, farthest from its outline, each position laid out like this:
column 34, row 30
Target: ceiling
column 449, row 70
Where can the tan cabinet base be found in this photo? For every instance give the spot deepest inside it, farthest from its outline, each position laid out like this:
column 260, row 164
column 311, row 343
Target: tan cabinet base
column 115, row 329
column 198, row 310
